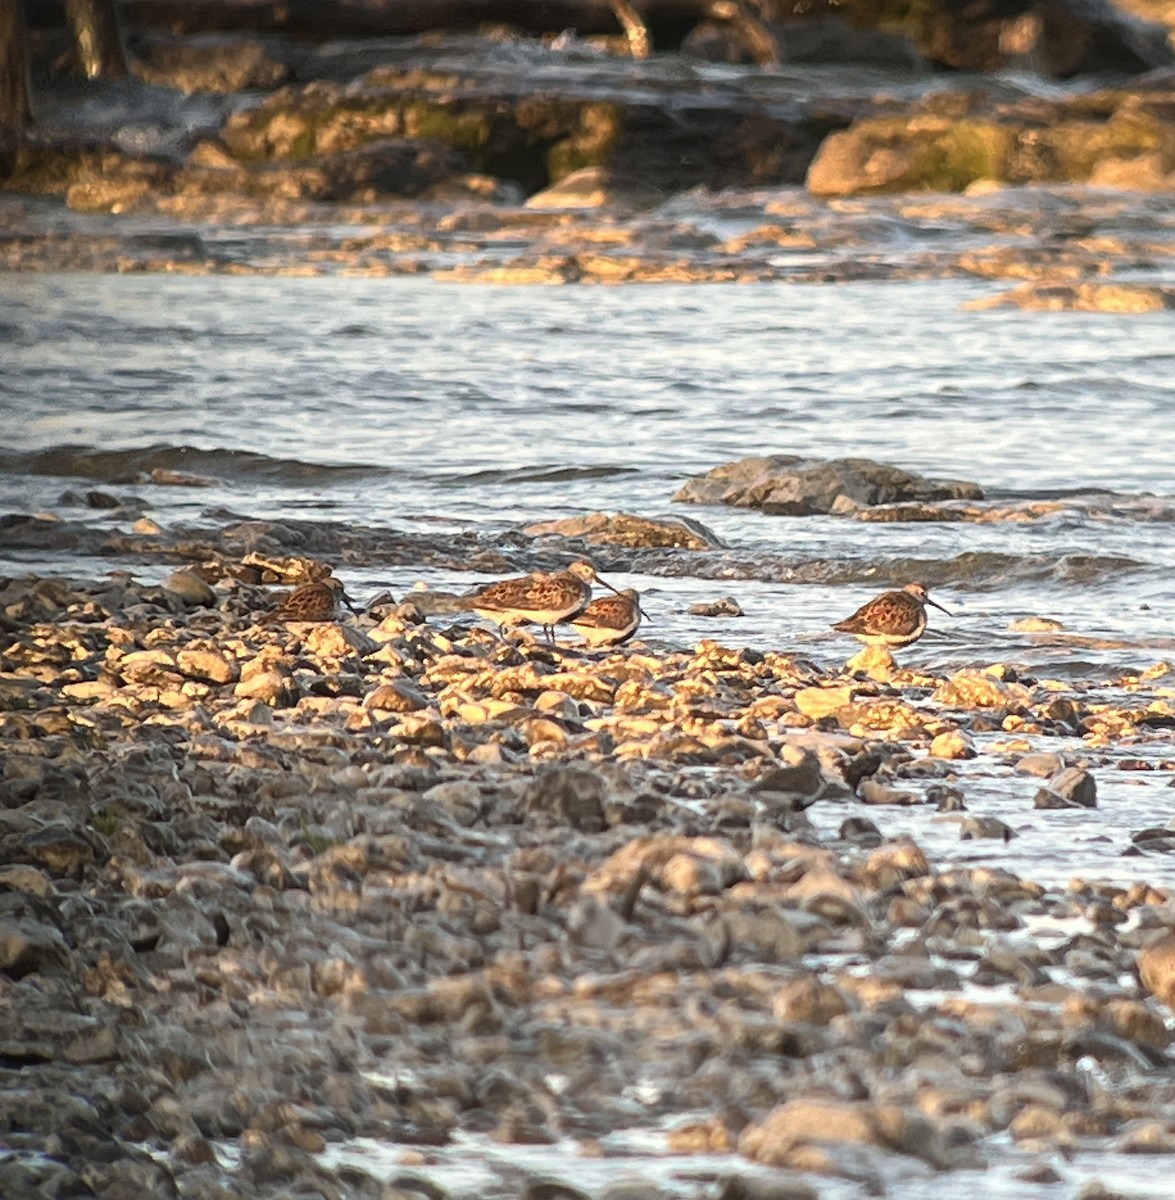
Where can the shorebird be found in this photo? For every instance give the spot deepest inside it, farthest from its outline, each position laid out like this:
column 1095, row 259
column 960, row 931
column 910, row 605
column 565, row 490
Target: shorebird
column 316, row 601
column 891, row 619
column 610, row 620
column 545, row 598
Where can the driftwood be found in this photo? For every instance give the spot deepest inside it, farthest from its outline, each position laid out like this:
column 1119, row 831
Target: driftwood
column 14, row 82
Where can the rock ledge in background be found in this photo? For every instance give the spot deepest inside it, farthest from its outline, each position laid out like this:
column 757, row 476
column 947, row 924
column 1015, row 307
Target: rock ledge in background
column 791, row 486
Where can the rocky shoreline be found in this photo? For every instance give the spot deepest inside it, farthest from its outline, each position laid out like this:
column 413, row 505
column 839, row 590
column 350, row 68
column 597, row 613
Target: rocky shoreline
column 270, row 889
column 502, row 157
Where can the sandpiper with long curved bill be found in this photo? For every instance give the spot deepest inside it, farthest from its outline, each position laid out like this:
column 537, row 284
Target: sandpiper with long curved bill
column 892, row 619
column 610, row 620
column 546, row 598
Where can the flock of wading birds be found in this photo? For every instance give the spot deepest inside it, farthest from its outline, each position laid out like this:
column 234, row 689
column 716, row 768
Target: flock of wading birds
column 550, row 598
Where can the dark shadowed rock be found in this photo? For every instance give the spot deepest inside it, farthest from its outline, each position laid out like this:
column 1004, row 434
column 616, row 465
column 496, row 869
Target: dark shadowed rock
column 788, row 485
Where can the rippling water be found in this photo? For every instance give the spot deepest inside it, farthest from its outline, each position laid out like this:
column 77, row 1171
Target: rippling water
column 410, row 402
column 419, row 405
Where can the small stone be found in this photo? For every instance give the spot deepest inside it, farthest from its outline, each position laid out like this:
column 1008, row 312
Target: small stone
column 1035, row 1121
column 270, row 687
column 798, row 774
column 860, row 830
column 874, row 662
column 595, row 924
column 1076, row 786
column 758, row 1187
column 1042, row 1173
column 954, row 743
column 572, row 795
column 27, row 945
column 399, row 696
column 689, row 875
column 809, row 1000
column 208, row 665
column 1041, row 765
column 873, row 791
column 22, row 878
column 327, row 640
column 979, row 689
column 421, row 730
column 726, row 606
column 986, row 827
column 1146, row 1137
column 817, row 702
column 1156, row 968
column 191, row 589
column 59, row 849
column 1035, row 625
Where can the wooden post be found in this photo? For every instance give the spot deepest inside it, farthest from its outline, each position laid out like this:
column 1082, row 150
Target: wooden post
column 97, row 38
column 14, row 83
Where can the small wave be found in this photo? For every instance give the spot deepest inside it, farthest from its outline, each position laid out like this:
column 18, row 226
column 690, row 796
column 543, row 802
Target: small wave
column 537, row 474
column 136, row 465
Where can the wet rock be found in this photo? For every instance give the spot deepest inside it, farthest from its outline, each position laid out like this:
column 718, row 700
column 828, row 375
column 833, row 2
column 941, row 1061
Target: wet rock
column 799, row 775
column 873, row 791
column 986, row 827
column 589, row 187
column 1042, row 765
column 208, row 665
column 28, row 946
column 625, row 529
column 861, row 831
column 1156, row 968
column 874, row 662
column 1076, row 786
column 820, row 702
column 787, row 485
column 569, row 796
column 782, row 1137
column 1085, row 297
column 809, row 1000
column 1146, row 1137
column 978, row 689
column 755, row 1187
column 215, row 64
column 595, row 924
column 59, row 849
column 727, row 606
column 954, row 743
column 946, row 798
column 330, row 641
column 398, row 696
column 274, row 688
column 190, row 588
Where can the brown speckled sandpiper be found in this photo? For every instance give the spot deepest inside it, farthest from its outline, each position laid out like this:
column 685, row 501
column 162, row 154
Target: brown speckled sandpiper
column 891, row 619
column 610, row 620
column 545, row 598
column 316, row 601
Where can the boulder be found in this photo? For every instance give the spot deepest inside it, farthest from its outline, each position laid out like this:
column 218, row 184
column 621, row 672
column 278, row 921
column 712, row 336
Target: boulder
column 626, row 529
column 780, row 1138
column 1156, row 968
column 788, row 485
